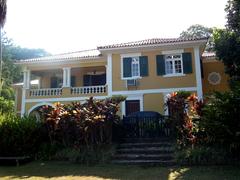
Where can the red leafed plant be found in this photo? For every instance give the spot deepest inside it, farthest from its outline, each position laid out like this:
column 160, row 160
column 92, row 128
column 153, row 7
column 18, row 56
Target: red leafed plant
column 184, row 108
column 76, row 124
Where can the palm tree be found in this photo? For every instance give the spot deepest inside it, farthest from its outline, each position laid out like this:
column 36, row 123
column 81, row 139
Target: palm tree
column 3, row 12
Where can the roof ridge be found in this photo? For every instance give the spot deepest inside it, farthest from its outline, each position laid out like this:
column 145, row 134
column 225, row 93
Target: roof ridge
column 73, row 52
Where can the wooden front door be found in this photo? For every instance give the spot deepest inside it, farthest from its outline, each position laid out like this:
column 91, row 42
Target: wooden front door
column 132, row 106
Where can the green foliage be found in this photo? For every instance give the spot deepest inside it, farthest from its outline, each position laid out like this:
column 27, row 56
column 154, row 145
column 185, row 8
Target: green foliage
column 18, row 136
column 78, row 124
column 227, row 42
column 196, row 31
column 220, row 122
column 199, row 31
column 11, row 72
column 6, row 105
column 202, row 155
column 227, row 45
column 233, row 15
column 88, row 155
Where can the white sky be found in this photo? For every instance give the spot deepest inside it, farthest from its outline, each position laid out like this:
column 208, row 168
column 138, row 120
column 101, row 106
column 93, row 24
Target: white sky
column 70, row 25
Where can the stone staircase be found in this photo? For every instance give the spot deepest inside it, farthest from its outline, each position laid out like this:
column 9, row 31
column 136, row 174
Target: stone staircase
column 145, row 152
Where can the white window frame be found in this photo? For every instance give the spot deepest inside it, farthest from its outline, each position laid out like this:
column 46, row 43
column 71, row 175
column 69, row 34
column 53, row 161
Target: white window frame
column 173, row 63
column 130, row 55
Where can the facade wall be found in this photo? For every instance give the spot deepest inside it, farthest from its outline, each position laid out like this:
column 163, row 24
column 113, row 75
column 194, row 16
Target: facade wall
column 154, row 102
column 210, row 66
column 152, row 81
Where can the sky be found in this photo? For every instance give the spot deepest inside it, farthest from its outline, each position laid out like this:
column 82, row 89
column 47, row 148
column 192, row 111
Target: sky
column 60, row 26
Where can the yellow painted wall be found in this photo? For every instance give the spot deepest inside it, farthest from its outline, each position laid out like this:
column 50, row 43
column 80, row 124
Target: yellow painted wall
column 152, row 81
column 154, row 102
column 214, row 66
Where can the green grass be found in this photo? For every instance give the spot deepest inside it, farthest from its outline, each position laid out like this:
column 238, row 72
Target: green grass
column 66, row 171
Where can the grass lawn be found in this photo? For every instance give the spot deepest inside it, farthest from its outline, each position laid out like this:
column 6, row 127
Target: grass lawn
column 66, row 171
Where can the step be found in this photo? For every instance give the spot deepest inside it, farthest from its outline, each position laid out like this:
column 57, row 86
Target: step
column 145, row 162
column 146, row 150
column 150, row 140
column 143, row 157
column 146, row 144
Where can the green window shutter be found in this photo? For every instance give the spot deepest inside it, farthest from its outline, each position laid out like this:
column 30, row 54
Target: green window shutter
column 73, row 81
column 127, row 67
column 143, row 60
column 160, row 65
column 187, row 63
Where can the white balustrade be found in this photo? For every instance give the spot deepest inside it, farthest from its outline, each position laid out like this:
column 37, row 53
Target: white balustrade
column 89, row 90
column 45, row 92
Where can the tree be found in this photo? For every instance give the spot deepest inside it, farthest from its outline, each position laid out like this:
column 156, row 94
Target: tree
column 3, row 12
column 196, row 31
column 233, row 16
column 227, row 42
column 11, row 73
column 199, row 31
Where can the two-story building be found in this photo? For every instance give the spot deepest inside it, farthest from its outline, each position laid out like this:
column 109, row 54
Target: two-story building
column 143, row 71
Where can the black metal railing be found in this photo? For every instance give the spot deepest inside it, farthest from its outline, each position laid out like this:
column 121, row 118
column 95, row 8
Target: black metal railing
column 145, row 124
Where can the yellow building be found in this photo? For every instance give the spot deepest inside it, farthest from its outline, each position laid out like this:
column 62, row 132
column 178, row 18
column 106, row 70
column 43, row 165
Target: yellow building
column 144, row 71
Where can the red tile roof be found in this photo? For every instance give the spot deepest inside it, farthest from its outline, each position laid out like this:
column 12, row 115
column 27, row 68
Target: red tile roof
column 87, row 54
column 150, row 42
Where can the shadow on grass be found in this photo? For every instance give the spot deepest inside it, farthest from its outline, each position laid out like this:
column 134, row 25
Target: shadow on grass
column 67, row 171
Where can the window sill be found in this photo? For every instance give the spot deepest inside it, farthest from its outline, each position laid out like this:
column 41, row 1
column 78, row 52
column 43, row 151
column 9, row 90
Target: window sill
column 174, row 75
column 132, row 78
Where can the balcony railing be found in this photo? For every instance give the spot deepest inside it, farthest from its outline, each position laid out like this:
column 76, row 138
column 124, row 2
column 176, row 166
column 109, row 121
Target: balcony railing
column 89, row 90
column 45, row 92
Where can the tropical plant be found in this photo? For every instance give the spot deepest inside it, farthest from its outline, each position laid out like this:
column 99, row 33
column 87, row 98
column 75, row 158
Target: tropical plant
column 184, row 113
column 79, row 124
column 220, row 122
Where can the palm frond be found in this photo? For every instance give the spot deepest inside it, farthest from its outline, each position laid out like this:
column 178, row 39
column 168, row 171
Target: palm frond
column 3, row 11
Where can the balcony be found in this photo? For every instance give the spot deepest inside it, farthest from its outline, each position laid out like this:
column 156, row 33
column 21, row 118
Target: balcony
column 69, row 82
column 67, row 92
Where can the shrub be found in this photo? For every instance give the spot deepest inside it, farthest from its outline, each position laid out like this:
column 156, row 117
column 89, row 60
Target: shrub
column 88, row 155
column 6, row 106
column 202, row 155
column 79, row 124
column 220, row 122
column 18, row 136
column 184, row 111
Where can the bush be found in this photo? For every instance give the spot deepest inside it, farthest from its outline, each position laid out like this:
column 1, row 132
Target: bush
column 78, row 124
column 88, row 155
column 6, row 106
column 184, row 112
column 220, row 122
column 202, row 155
column 18, row 136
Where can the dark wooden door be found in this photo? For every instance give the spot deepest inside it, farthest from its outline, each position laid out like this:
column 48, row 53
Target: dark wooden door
column 132, row 106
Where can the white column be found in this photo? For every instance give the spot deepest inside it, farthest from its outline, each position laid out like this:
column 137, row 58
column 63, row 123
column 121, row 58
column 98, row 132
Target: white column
column 198, row 72
column 66, row 77
column 69, row 77
column 26, row 79
column 109, row 74
column 26, row 85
